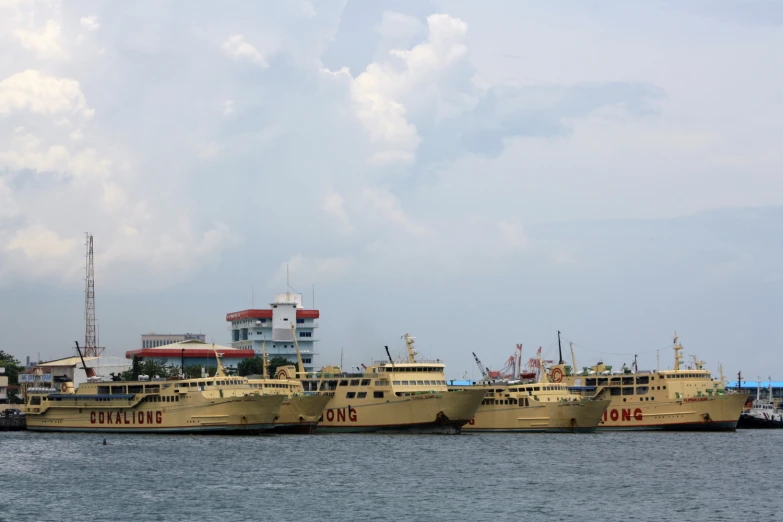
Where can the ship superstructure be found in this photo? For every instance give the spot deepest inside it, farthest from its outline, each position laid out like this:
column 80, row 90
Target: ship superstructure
column 221, row 403
column 300, row 410
column 684, row 398
column 534, row 406
column 409, row 396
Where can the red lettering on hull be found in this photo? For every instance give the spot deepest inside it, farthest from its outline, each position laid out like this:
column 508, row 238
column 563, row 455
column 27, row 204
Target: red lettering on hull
column 111, row 417
column 624, row 415
column 340, row 415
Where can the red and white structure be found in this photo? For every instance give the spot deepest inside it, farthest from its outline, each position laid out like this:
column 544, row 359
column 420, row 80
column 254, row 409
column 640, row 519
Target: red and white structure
column 251, row 329
column 193, row 352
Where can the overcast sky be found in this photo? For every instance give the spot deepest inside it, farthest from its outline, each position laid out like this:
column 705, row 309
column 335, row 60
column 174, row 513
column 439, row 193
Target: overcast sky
column 478, row 174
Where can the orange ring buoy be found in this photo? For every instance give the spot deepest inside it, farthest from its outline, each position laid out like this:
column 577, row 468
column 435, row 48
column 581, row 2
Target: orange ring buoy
column 557, row 375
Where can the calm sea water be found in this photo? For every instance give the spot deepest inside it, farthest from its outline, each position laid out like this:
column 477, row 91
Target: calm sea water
column 611, row 477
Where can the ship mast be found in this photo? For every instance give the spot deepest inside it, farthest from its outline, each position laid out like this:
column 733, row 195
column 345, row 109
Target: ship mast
column 559, row 348
column 677, row 353
column 409, row 345
column 264, row 360
column 758, row 390
column 298, row 354
column 220, row 371
column 573, row 358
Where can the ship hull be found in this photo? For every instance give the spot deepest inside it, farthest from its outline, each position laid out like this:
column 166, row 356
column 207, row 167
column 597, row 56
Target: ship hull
column 716, row 413
column 556, row 417
column 438, row 413
column 300, row 414
column 195, row 413
column 751, row 422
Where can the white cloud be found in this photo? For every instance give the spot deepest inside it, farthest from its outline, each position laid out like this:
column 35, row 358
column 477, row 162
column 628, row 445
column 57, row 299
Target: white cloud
column 307, row 9
column 8, row 206
column 333, row 207
column 34, row 91
column 395, row 26
column 45, row 44
column 27, row 152
column 386, row 91
column 387, row 208
column 37, row 251
column 90, row 23
column 238, row 48
column 228, row 107
column 37, row 241
column 210, row 150
column 512, row 236
column 318, row 269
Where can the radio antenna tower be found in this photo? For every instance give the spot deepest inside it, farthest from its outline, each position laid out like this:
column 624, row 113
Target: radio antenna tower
column 90, row 339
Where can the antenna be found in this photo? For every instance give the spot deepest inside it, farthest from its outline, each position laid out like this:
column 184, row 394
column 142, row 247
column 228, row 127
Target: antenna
column 313, row 296
column 287, row 282
column 90, row 339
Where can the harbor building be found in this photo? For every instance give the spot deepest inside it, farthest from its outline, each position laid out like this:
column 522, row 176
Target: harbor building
column 194, row 353
column 44, row 374
column 254, row 328
column 153, row 340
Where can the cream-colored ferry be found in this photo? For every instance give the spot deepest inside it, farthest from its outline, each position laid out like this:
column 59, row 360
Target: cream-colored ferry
column 678, row 399
column 406, row 396
column 221, row 404
column 300, row 411
column 534, row 407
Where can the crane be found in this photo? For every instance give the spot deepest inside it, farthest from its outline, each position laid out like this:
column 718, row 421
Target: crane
column 484, row 371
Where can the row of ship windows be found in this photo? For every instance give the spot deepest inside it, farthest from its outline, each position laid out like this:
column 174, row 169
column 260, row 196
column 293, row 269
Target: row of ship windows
column 363, row 395
column 397, row 369
column 274, row 385
column 158, row 398
column 521, row 402
column 642, row 379
column 419, row 383
column 629, row 390
column 366, row 382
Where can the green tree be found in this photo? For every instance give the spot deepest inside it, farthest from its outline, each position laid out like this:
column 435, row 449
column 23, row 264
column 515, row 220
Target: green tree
column 193, row 371
column 149, row 367
column 251, row 366
column 12, row 369
column 276, row 362
column 135, row 369
column 255, row 366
